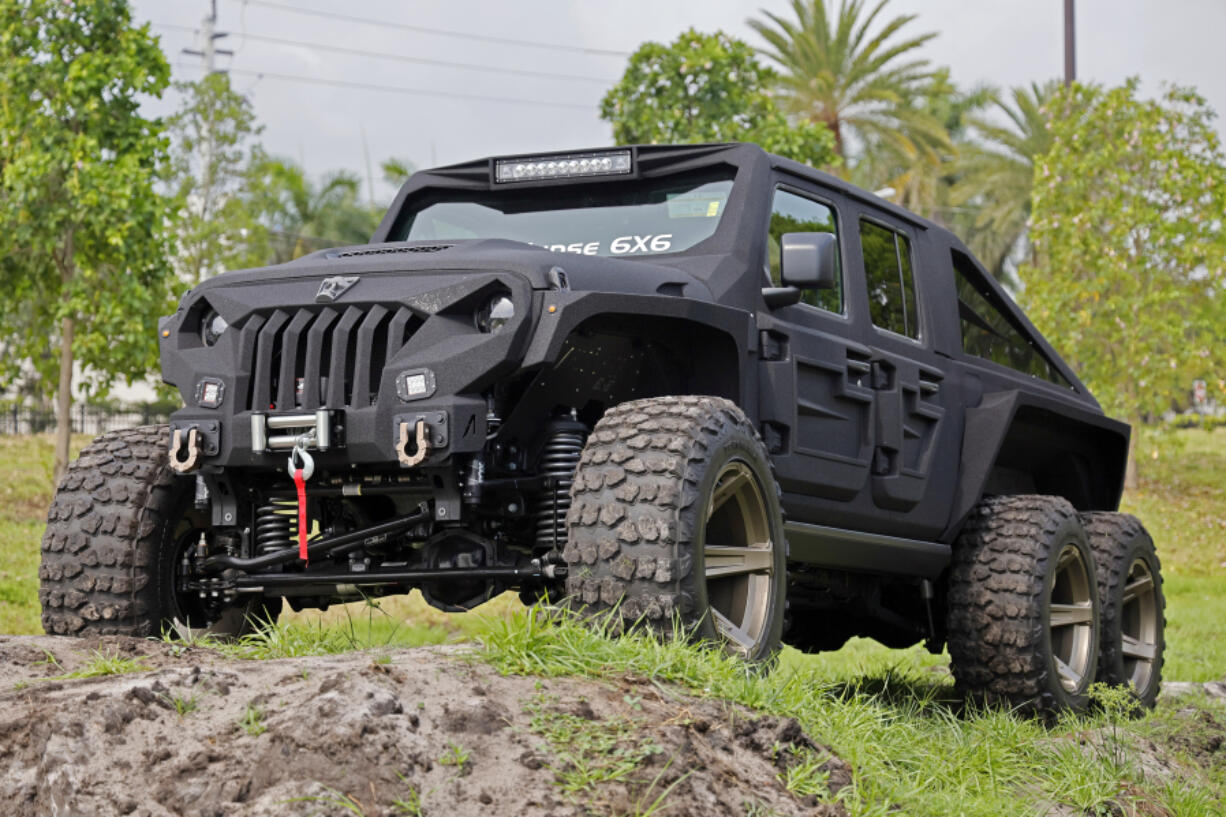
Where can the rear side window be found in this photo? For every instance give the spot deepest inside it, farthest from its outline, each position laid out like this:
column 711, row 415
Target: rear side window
column 793, row 213
column 890, row 278
column 990, row 333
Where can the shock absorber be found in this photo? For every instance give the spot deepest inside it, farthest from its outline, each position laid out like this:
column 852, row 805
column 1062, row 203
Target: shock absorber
column 274, row 524
column 564, row 439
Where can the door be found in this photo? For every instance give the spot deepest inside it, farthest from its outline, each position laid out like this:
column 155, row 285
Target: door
column 913, row 461
column 816, row 403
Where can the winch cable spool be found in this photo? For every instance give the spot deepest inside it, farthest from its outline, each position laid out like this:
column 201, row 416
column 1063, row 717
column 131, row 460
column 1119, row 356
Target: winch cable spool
column 558, row 460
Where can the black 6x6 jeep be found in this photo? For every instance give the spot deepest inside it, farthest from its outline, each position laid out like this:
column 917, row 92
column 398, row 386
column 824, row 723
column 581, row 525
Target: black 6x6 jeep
column 699, row 383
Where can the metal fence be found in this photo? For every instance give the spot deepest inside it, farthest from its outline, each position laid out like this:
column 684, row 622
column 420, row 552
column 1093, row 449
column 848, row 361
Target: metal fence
column 85, row 419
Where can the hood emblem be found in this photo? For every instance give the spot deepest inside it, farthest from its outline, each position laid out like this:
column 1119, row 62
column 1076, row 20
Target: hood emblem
column 332, row 288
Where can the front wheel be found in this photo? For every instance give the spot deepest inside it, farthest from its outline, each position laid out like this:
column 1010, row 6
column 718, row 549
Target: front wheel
column 118, row 526
column 675, row 513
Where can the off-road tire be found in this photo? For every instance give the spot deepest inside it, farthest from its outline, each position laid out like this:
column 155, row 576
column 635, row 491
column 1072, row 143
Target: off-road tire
column 1118, row 541
column 999, row 604
column 107, row 566
column 636, row 526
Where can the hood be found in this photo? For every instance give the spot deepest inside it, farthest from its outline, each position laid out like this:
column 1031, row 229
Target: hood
column 537, row 265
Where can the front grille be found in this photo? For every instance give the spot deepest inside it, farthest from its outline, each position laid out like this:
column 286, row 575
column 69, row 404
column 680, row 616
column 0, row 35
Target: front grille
column 328, row 357
column 392, row 250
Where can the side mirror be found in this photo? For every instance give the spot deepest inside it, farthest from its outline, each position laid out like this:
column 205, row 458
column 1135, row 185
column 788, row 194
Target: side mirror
column 809, row 260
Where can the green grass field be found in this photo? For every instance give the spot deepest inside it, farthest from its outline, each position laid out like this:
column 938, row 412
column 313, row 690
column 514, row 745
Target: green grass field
column 890, row 713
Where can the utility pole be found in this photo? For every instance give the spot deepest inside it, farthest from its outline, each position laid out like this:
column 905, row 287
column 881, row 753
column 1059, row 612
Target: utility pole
column 1070, row 45
column 208, row 49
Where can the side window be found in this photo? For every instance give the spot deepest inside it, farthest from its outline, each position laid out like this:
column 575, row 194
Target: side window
column 793, row 213
column 989, row 333
column 891, row 283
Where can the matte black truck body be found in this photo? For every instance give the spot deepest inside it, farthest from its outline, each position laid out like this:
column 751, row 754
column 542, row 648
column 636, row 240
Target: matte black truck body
column 881, row 441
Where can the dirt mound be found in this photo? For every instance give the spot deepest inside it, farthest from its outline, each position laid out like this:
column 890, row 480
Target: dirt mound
column 422, row 731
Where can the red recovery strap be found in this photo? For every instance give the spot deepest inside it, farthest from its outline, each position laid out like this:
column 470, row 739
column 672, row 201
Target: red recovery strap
column 300, row 484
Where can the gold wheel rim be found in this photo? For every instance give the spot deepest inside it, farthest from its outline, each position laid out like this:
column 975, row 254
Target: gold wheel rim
column 739, row 559
column 1072, row 619
column 1139, row 627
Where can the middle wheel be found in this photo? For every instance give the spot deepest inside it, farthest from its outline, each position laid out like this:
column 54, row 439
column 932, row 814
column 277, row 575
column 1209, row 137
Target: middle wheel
column 675, row 512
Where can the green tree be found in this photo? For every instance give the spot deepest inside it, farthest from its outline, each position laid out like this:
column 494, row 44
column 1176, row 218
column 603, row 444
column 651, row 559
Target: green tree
column 303, row 216
column 1130, row 249
column 212, row 146
column 707, row 88
column 868, row 89
column 996, row 174
column 82, row 231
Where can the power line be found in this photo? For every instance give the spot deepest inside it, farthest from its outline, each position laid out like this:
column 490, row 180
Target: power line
column 367, row 86
column 604, row 52
column 403, row 57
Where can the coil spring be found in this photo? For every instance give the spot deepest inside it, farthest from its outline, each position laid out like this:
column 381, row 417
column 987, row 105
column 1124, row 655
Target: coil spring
column 274, row 525
column 559, row 459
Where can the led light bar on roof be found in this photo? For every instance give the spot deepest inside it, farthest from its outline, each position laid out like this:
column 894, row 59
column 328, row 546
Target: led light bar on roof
column 570, row 165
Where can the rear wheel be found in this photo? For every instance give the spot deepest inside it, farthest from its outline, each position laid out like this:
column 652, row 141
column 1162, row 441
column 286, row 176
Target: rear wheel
column 1023, row 609
column 675, row 512
column 1130, row 584
column 118, row 526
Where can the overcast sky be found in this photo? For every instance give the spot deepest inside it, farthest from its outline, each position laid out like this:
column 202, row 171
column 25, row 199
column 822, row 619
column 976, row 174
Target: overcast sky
column 545, row 98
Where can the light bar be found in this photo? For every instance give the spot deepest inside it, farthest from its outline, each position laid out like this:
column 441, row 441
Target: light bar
column 570, row 165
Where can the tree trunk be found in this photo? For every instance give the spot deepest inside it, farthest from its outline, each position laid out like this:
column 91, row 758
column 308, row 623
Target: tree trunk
column 63, row 400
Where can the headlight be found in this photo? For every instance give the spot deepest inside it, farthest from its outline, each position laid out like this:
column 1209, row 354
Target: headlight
column 211, row 327
column 497, row 312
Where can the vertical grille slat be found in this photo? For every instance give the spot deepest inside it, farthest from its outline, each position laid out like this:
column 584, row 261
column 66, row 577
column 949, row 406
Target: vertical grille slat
column 266, row 348
column 396, row 331
column 287, row 380
column 337, row 354
column 312, row 395
column 340, row 370
column 364, row 356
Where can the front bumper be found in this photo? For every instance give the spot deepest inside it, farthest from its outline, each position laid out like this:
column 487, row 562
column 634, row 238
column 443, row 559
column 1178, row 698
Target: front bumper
column 399, row 350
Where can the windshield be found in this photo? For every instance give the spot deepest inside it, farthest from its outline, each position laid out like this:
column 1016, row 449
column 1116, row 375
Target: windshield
column 646, row 217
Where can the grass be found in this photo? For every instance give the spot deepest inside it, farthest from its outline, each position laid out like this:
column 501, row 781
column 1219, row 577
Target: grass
column 252, row 721
column 101, row 664
column 586, row 752
column 912, row 744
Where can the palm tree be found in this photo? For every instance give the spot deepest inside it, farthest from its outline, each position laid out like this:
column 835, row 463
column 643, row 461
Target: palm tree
column 920, row 174
column 304, row 216
column 996, row 174
column 397, row 171
column 868, row 89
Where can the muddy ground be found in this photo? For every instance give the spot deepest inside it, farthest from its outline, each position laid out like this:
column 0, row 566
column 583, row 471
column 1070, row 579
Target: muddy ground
column 423, row 731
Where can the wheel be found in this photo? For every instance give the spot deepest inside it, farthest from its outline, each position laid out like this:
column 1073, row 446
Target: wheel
column 118, row 525
column 1023, row 609
column 675, row 512
column 1130, row 586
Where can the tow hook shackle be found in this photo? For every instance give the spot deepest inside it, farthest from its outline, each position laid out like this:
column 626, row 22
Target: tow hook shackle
column 421, row 443
column 180, row 460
